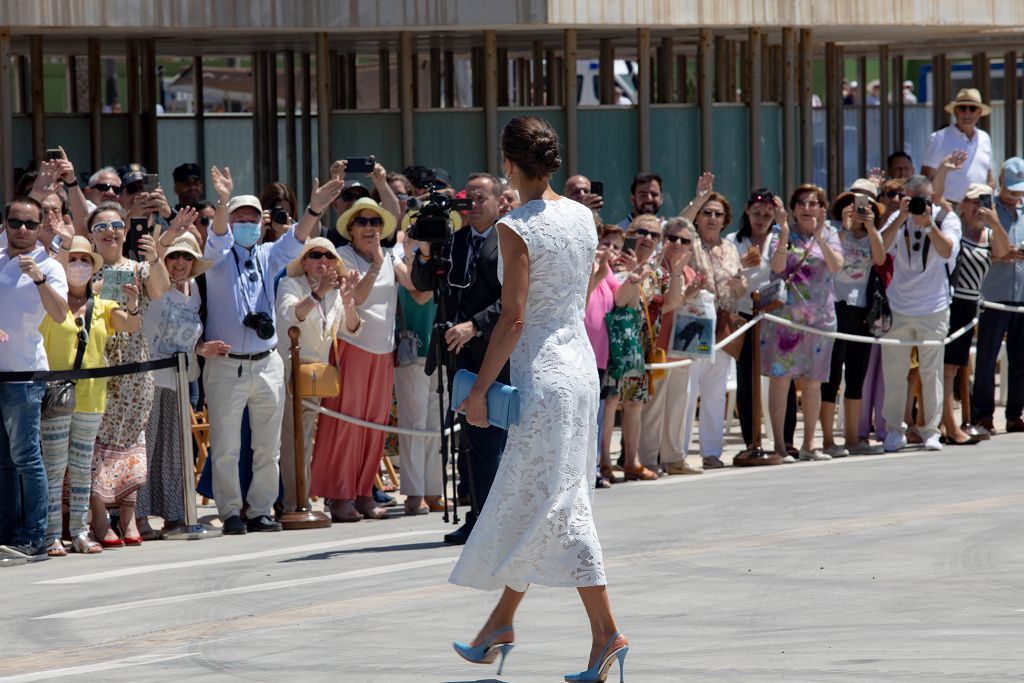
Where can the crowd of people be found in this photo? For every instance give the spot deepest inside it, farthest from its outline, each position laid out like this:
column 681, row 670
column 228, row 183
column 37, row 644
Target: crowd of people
column 108, row 272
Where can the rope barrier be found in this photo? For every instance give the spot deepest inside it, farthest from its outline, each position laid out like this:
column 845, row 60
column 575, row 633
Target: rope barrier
column 872, row 340
column 94, row 373
column 1002, row 307
column 421, row 433
column 719, row 345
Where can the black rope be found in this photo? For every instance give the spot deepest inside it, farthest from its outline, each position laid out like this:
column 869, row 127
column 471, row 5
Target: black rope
column 94, row 373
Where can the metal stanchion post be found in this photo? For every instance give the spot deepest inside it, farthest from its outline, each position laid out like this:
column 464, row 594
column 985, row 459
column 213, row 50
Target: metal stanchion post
column 755, row 354
column 303, row 517
column 965, row 404
column 193, row 530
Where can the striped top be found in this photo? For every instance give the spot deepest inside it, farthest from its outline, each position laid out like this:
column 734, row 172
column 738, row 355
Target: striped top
column 971, row 267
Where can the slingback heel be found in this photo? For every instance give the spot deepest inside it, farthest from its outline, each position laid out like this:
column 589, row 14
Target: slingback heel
column 599, row 671
column 487, row 651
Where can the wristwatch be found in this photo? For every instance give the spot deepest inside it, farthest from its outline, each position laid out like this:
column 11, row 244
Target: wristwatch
column 311, row 212
column 69, row 185
column 39, row 283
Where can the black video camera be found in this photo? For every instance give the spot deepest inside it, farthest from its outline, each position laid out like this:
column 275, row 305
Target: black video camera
column 262, row 323
column 432, row 222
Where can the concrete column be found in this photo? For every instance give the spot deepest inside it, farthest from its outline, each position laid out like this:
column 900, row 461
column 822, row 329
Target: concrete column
column 789, row 91
column 1010, row 89
column 6, row 118
column 491, row 87
column 38, row 104
column 705, row 54
column 643, row 109
column 406, row 95
column 572, row 137
column 753, row 68
column 291, row 154
column 323, row 108
column 806, row 127
column 95, row 104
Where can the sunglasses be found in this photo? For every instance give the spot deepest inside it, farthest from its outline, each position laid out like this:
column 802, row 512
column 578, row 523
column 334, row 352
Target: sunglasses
column 968, row 107
column 713, row 214
column 250, row 269
column 918, row 235
column 106, row 187
column 894, row 194
column 679, row 238
column 103, row 227
column 766, row 198
column 18, row 224
column 364, row 222
column 317, row 255
column 644, row 232
column 179, row 255
column 83, row 336
column 809, row 204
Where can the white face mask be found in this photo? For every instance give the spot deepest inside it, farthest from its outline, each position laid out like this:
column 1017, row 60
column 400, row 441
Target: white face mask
column 79, row 273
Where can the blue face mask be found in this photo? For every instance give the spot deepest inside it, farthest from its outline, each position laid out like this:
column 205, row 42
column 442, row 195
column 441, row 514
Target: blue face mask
column 246, row 234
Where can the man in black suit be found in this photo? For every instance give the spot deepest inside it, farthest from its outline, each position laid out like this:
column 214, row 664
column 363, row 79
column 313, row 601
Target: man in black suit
column 469, row 283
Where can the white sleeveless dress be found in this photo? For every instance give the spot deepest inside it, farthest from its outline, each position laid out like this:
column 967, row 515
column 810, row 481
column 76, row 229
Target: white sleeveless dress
column 537, row 525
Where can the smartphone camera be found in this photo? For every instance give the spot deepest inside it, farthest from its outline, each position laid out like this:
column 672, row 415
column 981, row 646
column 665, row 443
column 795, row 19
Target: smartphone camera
column 986, row 201
column 52, row 154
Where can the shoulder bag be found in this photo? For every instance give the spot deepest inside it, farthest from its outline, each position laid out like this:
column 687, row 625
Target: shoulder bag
column 321, row 380
column 59, row 399
column 407, row 344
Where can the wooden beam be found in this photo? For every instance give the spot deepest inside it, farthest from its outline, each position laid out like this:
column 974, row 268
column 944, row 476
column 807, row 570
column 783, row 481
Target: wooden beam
column 351, row 96
column 492, row 65
column 273, row 149
column 259, row 134
column 323, row 108
column 682, row 79
column 983, row 81
column 753, row 68
column 862, row 116
column 939, row 95
column 665, row 69
column 337, row 79
column 643, row 109
column 789, row 93
column 831, row 121
column 449, row 79
column 95, row 104
column 149, row 95
column 476, row 56
column 71, row 91
column 384, row 76
column 307, row 126
column 720, row 69
column 502, row 73
column 435, row 76
column 38, row 104
column 898, row 128
column 806, row 107
column 134, row 119
column 406, row 95
column 6, row 118
column 705, row 53
column 1010, row 90
column 571, row 141
column 606, row 72
column 884, row 141
column 840, row 114
column 553, row 96
column 538, row 74
column 199, row 113
column 291, row 153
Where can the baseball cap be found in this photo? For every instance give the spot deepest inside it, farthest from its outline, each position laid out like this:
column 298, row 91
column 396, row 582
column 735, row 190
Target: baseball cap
column 975, row 190
column 186, row 171
column 355, row 188
column 238, row 201
column 132, row 173
column 1013, row 174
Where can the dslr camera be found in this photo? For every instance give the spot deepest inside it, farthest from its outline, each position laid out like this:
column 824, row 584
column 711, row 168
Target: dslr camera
column 261, row 323
column 918, row 205
column 432, row 221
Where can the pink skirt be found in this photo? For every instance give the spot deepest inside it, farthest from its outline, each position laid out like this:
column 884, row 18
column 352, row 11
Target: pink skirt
column 346, row 457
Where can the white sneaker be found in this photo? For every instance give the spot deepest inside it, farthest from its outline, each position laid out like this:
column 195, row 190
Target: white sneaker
column 932, row 443
column 811, row 455
column 788, row 459
column 894, row 441
column 836, row 451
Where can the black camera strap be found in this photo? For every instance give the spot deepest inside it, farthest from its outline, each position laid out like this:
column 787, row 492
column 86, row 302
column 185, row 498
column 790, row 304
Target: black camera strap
column 249, row 307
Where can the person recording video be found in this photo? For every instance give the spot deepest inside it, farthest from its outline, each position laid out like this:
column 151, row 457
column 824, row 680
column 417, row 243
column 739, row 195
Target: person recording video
column 466, row 273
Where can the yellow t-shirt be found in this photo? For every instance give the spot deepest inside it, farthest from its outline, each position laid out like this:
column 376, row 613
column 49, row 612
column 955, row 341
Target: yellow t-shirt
column 61, row 342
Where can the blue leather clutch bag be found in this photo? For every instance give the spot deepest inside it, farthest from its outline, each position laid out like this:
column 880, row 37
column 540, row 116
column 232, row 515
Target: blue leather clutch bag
column 502, row 400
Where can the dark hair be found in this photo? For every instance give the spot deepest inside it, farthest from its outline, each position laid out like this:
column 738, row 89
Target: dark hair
column 531, row 143
column 642, row 178
column 894, row 156
column 761, row 195
column 819, row 194
column 23, row 186
column 278, row 192
column 105, row 206
column 496, row 185
column 24, row 201
column 835, row 212
column 203, row 204
column 720, row 198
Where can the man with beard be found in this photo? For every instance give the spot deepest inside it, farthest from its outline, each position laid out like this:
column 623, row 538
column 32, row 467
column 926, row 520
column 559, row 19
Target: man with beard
column 645, row 196
column 188, row 184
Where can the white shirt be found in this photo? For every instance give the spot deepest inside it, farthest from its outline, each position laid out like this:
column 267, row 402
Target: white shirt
column 920, row 288
column 979, row 158
column 22, row 311
column 757, row 276
column 315, row 331
column 379, row 309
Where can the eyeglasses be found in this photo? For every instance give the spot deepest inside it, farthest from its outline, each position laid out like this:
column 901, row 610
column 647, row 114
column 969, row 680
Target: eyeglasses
column 179, row 255
column 968, row 108
column 18, row 224
column 679, row 238
column 106, row 187
column 612, row 245
column 317, row 255
column 364, row 222
column 809, row 204
column 644, row 232
column 103, row 227
column 895, row 194
column 710, row 213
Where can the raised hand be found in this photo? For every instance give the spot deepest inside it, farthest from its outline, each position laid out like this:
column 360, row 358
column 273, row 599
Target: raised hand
column 346, row 290
column 379, row 173
column 223, row 185
column 148, row 248
column 876, row 176
column 182, row 221
column 322, row 195
column 954, row 160
column 338, row 170
column 29, row 267
column 781, row 217
column 705, row 185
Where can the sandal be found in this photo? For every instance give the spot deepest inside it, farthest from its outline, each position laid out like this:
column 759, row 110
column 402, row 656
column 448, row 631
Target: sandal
column 85, row 545
column 608, row 473
column 369, row 509
column 435, row 504
column 640, row 474
column 57, row 549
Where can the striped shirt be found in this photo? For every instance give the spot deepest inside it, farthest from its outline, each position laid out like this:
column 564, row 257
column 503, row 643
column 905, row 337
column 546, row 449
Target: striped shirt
column 971, row 267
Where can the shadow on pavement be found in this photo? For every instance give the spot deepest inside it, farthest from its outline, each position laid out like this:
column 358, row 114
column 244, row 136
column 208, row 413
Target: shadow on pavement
column 355, row 551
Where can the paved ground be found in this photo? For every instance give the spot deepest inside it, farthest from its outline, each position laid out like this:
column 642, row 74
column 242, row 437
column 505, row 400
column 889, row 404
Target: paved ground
column 885, row 568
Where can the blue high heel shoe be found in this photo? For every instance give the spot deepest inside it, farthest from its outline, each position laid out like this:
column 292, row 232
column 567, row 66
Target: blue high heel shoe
column 486, row 652
column 599, row 672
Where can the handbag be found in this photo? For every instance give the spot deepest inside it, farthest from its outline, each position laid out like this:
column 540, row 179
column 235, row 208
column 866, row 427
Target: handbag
column 59, row 399
column 502, row 399
column 879, row 315
column 655, row 355
column 321, row 380
column 407, row 344
column 726, row 323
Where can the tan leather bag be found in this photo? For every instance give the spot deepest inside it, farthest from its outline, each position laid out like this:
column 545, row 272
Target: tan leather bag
column 655, row 355
column 321, row 380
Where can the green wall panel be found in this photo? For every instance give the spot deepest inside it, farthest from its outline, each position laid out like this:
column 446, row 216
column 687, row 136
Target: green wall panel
column 452, row 140
column 675, row 153
column 364, row 134
column 608, row 152
column 731, row 158
column 771, row 148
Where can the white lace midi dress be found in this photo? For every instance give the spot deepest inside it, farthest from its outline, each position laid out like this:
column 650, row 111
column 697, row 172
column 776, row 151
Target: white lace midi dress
column 537, row 525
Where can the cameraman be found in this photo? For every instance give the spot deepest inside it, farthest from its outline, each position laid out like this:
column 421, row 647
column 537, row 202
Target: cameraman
column 468, row 280
column 923, row 239
column 240, row 311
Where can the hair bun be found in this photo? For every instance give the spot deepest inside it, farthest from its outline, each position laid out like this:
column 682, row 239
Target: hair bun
column 531, row 144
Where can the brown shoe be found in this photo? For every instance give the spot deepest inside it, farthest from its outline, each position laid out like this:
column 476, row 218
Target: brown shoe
column 369, row 509
column 344, row 511
column 414, row 506
column 742, row 459
column 762, row 459
column 608, row 473
column 681, row 467
column 641, row 474
column 1015, row 425
column 435, row 504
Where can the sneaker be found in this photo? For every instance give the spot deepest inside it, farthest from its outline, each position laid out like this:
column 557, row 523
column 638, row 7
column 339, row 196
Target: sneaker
column 262, row 523
column 932, row 443
column 384, row 500
column 864, row 448
column 836, row 451
column 813, row 454
column 789, row 459
column 25, row 552
column 894, row 441
column 234, row 526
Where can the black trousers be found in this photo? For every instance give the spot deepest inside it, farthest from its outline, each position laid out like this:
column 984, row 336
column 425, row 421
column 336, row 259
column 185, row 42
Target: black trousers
column 479, row 457
column 745, row 394
column 991, row 327
column 854, row 355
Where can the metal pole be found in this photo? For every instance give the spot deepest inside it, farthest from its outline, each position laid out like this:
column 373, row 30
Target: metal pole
column 193, row 530
column 570, row 104
column 38, row 104
column 806, row 108
column 789, row 110
column 643, row 108
column 754, row 94
column 323, row 108
column 95, row 104
column 491, row 86
column 6, row 118
column 704, row 56
column 406, row 95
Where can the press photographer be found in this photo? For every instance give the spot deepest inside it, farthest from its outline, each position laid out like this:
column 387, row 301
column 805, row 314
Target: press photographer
column 463, row 267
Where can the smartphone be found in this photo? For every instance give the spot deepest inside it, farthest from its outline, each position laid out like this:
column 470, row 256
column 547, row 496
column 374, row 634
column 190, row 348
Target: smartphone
column 359, row 164
column 136, row 229
column 52, row 154
column 630, row 244
column 150, row 182
column 860, row 203
column 986, row 201
column 597, row 187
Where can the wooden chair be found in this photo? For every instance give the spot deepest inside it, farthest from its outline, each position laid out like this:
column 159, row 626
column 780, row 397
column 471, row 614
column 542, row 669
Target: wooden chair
column 201, row 433
column 388, row 479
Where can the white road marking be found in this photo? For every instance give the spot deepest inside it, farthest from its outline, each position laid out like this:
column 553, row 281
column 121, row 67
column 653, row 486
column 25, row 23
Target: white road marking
column 258, row 588
column 93, row 668
column 225, row 559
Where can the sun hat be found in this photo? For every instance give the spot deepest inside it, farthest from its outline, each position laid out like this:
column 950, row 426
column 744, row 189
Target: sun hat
column 975, row 190
column 187, row 244
column 836, row 213
column 294, row 267
column 865, row 187
column 968, row 96
column 238, row 201
column 366, row 204
column 81, row 245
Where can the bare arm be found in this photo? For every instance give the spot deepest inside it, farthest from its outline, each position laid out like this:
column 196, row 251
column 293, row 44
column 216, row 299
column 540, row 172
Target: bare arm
column 388, row 198
column 778, row 259
column 223, row 186
column 705, row 185
column 1000, row 239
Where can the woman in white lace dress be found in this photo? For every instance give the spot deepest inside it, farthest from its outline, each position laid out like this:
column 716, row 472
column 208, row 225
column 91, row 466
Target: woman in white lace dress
column 537, row 525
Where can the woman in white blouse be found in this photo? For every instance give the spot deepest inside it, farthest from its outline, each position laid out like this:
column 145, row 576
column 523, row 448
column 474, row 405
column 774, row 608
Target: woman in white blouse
column 316, row 296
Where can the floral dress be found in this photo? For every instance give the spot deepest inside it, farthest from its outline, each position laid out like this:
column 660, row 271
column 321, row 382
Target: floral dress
column 119, row 461
column 629, row 339
column 788, row 352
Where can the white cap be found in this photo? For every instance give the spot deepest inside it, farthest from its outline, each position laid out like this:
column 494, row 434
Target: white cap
column 241, row 200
